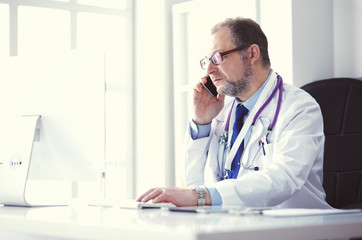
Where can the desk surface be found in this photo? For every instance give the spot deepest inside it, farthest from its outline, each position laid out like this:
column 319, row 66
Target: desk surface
column 83, row 222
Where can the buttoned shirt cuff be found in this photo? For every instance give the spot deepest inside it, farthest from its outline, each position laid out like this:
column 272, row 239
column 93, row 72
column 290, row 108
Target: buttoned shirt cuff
column 215, row 196
column 199, row 131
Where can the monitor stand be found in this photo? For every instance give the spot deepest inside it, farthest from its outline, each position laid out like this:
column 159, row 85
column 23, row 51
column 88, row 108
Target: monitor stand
column 15, row 159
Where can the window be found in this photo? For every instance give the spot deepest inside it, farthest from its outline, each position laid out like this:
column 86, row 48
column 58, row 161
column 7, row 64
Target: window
column 50, row 26
column 47, row 32
column 4, row 30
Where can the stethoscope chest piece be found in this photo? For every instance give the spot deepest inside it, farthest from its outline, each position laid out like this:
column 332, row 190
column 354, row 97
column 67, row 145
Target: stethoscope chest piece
column 224, row 138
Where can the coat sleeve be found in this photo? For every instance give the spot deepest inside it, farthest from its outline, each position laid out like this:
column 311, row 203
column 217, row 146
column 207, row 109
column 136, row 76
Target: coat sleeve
column 296, row 142
column 196, row 152
column 202, row 153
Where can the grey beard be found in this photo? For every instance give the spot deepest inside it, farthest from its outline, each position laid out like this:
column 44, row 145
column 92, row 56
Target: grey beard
column 239, row 87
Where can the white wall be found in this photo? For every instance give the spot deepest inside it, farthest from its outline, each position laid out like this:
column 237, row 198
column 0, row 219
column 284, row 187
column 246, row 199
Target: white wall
column 347, row 38
column 327, row 39
column 275, row 19
column 300, row 36
column 311, row 40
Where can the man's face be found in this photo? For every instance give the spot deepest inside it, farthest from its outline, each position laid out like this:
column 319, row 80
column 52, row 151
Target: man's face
column 233, row 75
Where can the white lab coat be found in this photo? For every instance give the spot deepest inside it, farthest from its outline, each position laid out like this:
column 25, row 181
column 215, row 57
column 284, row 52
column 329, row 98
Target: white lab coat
column 290, row 174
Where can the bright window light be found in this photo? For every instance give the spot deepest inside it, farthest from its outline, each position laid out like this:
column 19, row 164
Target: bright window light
column 108, row 33
column 4, row 30
column 43, row 30
column 101, row 30
column 119, row 4
column 46, row 27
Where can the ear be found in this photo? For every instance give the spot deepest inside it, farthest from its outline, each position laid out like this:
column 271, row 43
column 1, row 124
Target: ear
column 255, row 53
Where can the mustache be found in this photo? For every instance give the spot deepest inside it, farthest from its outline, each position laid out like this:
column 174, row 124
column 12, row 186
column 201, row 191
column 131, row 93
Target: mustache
column 214, row 76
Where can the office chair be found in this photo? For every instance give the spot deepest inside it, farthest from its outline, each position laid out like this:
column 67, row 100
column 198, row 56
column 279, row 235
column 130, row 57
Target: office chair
column 341, row 102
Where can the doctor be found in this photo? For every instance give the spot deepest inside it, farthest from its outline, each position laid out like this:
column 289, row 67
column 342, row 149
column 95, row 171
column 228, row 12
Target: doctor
column 259, row 142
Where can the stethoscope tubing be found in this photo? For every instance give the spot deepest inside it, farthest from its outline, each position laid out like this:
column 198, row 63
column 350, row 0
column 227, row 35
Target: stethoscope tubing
column 279, row 86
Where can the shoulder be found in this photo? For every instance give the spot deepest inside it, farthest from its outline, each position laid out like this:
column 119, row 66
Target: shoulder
column 298, row 104
column 297, row 96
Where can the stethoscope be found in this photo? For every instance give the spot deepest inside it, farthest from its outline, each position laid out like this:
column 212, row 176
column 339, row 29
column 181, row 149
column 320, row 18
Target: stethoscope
column 224, row 137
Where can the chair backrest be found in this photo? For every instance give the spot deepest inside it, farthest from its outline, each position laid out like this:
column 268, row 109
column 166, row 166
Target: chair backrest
column 341, row 102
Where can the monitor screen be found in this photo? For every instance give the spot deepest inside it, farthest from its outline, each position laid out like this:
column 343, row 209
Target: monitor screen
column 67, row 91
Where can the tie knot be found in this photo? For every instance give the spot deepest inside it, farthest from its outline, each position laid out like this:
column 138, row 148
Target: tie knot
column 241, row 111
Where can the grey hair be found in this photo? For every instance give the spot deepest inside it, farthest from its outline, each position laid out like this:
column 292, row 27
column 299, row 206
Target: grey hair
column 245, row 31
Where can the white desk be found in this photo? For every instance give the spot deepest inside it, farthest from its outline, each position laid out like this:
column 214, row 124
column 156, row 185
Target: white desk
column 83, row 222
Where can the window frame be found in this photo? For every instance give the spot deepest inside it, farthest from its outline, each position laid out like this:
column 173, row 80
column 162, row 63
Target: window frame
column 127, row 88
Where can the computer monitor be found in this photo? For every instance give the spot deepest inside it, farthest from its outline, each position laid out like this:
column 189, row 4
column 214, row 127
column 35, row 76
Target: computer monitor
column 66, row 93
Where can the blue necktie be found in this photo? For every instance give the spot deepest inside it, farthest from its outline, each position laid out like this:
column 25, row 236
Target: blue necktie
column 241, row 111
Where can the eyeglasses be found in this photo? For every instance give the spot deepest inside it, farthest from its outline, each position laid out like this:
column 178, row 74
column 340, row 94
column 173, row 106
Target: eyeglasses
column 217, row 57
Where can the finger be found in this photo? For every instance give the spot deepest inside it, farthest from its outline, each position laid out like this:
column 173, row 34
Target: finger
column 221, row 97
column 161, row 198
column 155, row 193
column 204, row 79
column 145, row 194
column 199, row 87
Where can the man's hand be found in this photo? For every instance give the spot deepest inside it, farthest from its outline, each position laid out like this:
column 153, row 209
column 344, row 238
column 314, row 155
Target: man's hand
column 180, row 197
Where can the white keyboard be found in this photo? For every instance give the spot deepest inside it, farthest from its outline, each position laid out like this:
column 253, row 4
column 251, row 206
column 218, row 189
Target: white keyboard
column 154, row 205
column 132, row 204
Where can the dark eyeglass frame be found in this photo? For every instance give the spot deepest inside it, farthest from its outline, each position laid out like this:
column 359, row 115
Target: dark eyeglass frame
column 219, row 55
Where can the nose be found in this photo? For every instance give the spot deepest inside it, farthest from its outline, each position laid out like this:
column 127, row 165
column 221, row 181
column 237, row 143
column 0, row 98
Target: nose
column 211, row 68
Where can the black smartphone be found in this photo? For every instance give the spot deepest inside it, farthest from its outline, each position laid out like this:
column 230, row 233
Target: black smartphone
column 209, row 85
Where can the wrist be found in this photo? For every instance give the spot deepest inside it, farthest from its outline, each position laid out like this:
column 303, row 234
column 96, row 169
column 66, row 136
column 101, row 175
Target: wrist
column 200, row 122
column 201, row 193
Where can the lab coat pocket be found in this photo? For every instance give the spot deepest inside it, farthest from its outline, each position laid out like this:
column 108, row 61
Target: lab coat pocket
column 254, row 150
column 261, row 157
column 267, row 158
